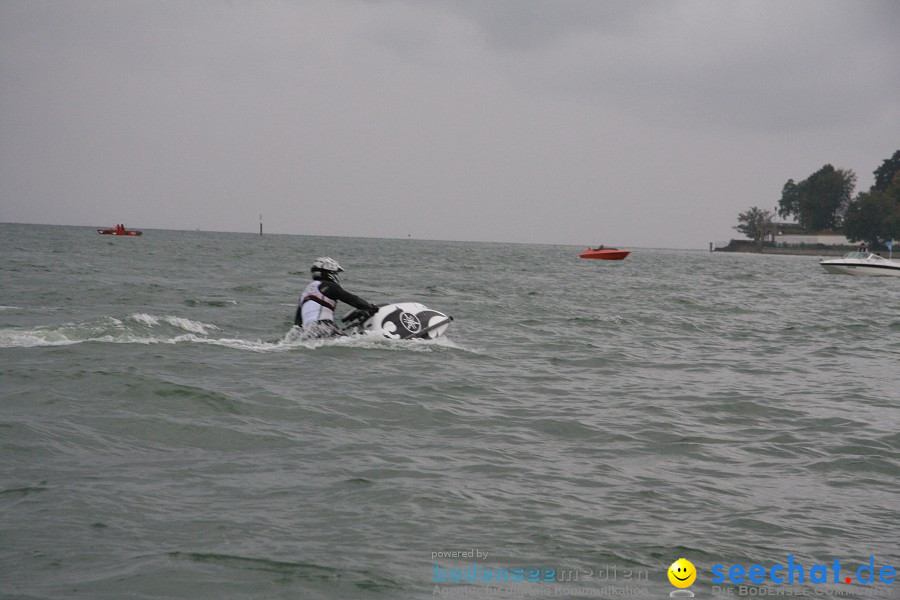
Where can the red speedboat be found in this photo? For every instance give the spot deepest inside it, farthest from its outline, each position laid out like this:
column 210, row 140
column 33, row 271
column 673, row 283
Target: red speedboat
column 605, row 253
column 120, row 230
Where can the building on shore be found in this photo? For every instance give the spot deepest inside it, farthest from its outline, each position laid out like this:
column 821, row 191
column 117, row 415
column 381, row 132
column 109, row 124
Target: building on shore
column 824, row 238
column 790, row 238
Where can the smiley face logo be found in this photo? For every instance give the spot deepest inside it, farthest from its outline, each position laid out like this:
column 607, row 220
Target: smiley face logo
column 682, row 573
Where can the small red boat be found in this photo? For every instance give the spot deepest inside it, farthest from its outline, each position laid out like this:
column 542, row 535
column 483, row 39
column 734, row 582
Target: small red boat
column 605, row 253
column 120, row 230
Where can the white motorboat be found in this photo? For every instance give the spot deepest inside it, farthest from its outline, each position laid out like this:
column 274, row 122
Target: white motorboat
column 862, row 263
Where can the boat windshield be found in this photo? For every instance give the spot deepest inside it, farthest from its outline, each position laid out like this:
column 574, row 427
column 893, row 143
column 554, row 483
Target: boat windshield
column 859, row 255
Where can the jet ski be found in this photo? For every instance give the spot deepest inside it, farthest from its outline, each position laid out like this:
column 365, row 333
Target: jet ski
column 401, row 321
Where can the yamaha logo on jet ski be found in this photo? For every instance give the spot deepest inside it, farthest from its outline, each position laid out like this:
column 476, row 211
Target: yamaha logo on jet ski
column 410, row 322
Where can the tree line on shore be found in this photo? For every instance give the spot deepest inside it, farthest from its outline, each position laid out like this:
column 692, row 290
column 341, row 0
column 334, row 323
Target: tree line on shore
column 824, row 202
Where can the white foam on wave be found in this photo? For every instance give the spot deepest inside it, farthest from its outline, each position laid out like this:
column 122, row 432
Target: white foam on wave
column 44, row 336
column 188, row 325
column 294, row 340
column 12, row 338
column 57, row 335
column 178, row 322
column 132, row 330
column 145, row 319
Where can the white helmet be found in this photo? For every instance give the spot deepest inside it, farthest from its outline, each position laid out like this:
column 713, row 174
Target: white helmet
column 325, row 267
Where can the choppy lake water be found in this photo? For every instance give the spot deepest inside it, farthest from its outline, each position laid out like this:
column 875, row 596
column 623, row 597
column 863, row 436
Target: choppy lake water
column 163, row 436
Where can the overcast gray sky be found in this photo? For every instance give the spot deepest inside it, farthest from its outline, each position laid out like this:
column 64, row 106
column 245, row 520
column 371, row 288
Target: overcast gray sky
column 646, row 123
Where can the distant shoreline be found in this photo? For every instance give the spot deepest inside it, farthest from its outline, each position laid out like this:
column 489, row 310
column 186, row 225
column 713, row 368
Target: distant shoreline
column 795, row 251
column 750, row 247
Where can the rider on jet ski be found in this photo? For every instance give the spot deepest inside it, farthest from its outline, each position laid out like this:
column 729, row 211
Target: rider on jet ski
column 315, row 314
